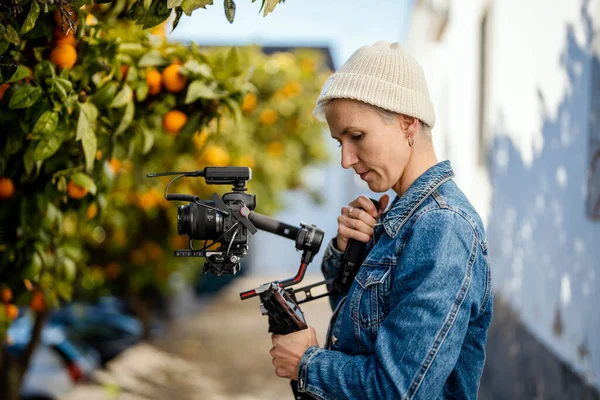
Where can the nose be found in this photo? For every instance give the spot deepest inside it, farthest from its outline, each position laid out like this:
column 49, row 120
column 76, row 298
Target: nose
column 348, row 156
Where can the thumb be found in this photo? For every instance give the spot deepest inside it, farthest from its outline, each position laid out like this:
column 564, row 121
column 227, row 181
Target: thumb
column 383, row 203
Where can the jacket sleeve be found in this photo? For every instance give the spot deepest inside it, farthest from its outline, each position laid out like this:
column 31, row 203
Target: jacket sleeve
column 332, row 261
column 420, row 340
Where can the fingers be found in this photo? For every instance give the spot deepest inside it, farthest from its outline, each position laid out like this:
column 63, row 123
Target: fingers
column 365, row 204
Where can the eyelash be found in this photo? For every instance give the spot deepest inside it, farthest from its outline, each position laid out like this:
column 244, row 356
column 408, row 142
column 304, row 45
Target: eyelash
column 355, row 137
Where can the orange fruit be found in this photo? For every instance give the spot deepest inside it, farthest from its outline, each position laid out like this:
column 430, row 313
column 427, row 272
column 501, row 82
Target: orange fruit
column 292, row 89
column 63, row 55
column 38, row 302
column 12, row 311
column 92, row 211
column 154, row 80
column 7, row 188
column 215, row 155
column 115, row 165
column 275, row 149
column 172, row 78
column 3, row 88
column 268, row 116
column 173, row 121
column 124, row 69
column 75, row 191
column 249, row 103
column 61, row 37
column 7, row 295
column 246, row 160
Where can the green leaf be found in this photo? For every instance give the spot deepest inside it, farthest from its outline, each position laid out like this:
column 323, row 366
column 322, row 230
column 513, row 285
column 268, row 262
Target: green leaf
column 25, row 97
column 155, row 15
column 28, row 161
column 174, row 3
column 48, row 145
column 232, row 62
column 11, row 35
column 141, row 92
column 83, row 125
column 3, row 46
column 229, row 10
column 29, row 23
column 63, row 289
column 269, row 6
column 105, row 95
column 148, row 137
column 127, row 118
column 21, row 73
column 123, row 98
column 46, row 123
column 235, row 109
column 195, row 68
column 90, row 146
column 153, row 58
column 200, row 90
column 190, row 5
column 63, row 87
column 178, row 14
column 84, row 180
column 147, row 4
column 88, row 113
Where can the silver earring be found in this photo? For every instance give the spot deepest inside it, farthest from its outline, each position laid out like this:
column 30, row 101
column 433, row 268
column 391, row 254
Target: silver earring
column 411, row 141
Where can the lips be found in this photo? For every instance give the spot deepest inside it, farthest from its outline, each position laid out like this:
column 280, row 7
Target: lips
column 363, row 175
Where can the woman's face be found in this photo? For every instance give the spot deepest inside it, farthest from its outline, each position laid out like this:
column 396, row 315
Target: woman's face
column 376, row 149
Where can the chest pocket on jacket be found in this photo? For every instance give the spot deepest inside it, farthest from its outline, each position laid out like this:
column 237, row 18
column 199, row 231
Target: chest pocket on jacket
column 369, row 304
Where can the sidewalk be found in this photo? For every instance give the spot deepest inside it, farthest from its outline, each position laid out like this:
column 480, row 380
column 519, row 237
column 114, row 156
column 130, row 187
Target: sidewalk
column 219, row 353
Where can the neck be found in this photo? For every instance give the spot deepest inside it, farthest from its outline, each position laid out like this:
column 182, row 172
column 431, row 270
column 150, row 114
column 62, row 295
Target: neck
column 422, row 157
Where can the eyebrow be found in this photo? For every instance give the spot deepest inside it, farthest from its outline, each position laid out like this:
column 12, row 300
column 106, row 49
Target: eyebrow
column 345, row 131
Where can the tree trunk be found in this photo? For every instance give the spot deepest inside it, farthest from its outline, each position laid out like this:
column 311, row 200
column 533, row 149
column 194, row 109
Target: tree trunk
column 12, row 369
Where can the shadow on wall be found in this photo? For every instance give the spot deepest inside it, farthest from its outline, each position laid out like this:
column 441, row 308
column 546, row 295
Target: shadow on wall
column 544, row 236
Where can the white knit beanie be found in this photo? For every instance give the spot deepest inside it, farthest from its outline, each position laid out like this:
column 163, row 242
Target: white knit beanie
column 385, row 76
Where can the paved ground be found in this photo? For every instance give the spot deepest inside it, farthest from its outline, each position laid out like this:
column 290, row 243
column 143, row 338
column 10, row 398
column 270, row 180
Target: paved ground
column 216, row 353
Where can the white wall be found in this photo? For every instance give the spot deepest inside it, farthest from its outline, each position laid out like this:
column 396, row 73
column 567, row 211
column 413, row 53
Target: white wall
column 545, row 249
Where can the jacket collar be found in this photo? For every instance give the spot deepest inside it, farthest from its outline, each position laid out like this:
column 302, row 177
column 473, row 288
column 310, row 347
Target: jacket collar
column 403, row 207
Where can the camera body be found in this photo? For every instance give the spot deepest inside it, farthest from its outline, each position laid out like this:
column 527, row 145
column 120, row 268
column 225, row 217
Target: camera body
column 222, row 223
column 203, row 220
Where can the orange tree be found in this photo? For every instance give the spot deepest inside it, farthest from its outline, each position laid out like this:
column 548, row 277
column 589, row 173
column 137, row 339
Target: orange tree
column 88, row 104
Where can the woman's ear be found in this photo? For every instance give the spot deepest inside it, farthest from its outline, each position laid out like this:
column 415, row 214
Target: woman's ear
column 409, row 125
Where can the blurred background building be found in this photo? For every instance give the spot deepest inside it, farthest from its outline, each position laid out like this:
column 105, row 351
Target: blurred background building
column 516, row 91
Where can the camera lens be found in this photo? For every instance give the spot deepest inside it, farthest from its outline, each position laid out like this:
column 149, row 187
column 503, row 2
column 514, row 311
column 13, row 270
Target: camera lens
column 199, row 222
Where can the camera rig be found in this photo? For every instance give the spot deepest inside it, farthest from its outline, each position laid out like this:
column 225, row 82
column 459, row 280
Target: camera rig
column 226, row 221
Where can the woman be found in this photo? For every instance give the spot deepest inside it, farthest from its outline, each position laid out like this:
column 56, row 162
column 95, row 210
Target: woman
column 414, row 322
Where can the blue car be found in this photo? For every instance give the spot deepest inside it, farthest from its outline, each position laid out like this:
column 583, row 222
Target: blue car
column 57, row 363
column 102, row 326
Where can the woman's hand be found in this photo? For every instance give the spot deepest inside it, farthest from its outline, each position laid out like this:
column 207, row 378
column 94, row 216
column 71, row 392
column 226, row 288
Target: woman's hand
column 358, row 219
column 287, row 351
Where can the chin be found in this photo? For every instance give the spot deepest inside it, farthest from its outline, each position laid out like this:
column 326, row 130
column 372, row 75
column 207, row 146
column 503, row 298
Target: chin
column 377, row 187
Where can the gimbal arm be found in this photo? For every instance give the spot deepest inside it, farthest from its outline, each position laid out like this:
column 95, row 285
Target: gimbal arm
column 308, row 238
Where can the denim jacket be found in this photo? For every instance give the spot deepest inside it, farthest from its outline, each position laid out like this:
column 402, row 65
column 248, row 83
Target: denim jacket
column 414, row 322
